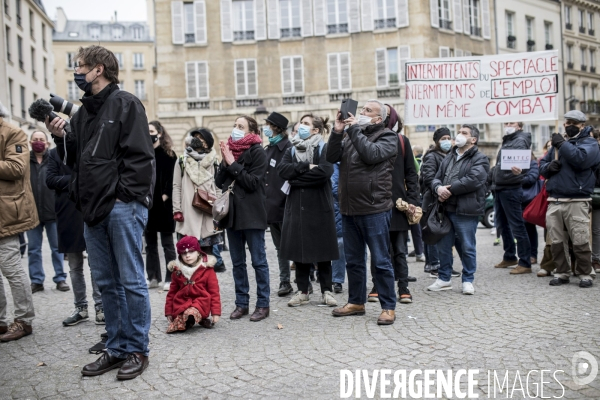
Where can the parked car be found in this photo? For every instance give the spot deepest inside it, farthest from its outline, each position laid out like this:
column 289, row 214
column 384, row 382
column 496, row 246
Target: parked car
column 488, row 218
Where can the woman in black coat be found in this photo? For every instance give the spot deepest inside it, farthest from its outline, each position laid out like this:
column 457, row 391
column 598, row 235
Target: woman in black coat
column 309, row 235
column 160, row 216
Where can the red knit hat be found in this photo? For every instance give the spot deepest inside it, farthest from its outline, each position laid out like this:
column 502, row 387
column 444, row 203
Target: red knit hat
column 187, row 244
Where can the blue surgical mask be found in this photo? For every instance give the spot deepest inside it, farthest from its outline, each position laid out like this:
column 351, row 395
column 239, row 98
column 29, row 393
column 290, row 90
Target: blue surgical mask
column 303, row 132
column 445, row 145
column 237, row 134
column 267, row 131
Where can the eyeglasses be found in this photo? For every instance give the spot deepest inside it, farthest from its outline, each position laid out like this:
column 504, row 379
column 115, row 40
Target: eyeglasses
column 78, row 66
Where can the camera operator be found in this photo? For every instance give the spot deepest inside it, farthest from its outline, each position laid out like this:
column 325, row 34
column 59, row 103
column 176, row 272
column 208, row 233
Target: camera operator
column 112, row 158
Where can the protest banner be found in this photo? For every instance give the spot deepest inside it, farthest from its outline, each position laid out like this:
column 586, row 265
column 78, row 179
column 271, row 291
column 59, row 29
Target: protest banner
column 486, row 89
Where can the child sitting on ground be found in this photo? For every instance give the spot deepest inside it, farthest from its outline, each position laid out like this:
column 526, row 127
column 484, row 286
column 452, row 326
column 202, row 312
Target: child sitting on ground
column 194, row 292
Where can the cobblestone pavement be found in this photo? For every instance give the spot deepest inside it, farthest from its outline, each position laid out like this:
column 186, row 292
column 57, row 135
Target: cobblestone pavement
column 513, row 323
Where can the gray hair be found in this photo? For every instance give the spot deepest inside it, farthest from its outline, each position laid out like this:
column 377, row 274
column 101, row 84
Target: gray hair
column 383, row 112
column 473, row 129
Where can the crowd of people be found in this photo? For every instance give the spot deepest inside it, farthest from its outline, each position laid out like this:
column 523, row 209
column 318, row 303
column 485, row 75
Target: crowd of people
column 335, row 195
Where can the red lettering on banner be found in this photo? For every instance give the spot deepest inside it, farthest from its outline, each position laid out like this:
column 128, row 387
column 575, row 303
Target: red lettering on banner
column 526, row 106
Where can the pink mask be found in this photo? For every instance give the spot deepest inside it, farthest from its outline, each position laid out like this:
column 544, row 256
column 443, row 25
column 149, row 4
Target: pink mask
column 38, row 147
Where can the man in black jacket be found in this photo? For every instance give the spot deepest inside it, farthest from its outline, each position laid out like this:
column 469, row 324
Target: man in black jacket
column 460, row 186
column 507, row 200
column 366, row 153
column 111, row 154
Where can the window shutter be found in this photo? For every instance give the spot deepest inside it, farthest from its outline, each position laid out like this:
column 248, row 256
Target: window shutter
column 190, row 79
column 345, row 81
column 200, row 21
column 485, row 16
column 226, row 21
column 298, row 75
column 380, row 62
column 240, row 77
column 251, row 77
column 402, row 10
column 354, row 16
column 307, row 18
column 203, row 80
column 435, row 20
column 444, row 52
column 458, row 53
column 320, row 16
column 273, row 18
column 458, row 23
column 466, row 18
column 404, row 55
column 367, row 15
column 177, row 21
column 468, row 53
column 332, row 60
column 286, row 75
column 260, row 20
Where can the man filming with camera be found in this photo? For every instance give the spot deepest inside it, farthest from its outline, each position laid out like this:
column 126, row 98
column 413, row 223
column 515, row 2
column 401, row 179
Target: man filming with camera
column 111, row 154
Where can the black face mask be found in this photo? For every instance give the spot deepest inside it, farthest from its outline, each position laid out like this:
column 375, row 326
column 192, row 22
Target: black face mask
column 197, row 145
column 154, row 138
column 572, row 130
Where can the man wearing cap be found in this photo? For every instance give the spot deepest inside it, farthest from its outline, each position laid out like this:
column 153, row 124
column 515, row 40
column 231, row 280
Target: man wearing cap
column 570, row 183
column 275, row 130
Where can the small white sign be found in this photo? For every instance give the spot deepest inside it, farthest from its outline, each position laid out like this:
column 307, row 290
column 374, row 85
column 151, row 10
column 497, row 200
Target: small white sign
column 286, row 188
column 515, row 158
column 273, row 162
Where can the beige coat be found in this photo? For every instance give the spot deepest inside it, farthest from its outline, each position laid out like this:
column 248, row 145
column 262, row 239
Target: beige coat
column 195, row 222
column 17, row 206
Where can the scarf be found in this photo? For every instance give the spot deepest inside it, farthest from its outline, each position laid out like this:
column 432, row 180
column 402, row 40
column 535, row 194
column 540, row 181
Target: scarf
column 194, row 154
column 240, row 146
column 305, row 149
column 198, row 171
column 274, row 140
column 188, row 270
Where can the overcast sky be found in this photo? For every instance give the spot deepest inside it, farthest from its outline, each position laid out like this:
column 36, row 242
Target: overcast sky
column 127, row 10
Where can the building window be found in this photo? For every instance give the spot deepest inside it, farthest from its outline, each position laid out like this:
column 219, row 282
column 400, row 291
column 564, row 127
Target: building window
column 387, row 67
column 581, row 21
column 568, row 23
column 583, row 58
column 245, row 78
column 529, row 23
column 117, row 32
column 95, row 32
column 444, row 14
column 593, row 92
column 119, row 57
column 591, row 23
column 137, row 32
column 44, row 36
column 45, row 65
column 189, row 30
column 31, row 25
column 10, row 96
column 188, row 21
column 570, row 55
column 20, row 52
column 292, row 75
column 121, row 85
column 511, row 39
column 592, row 61
column 571, row 89
column 33, row 64
column 243, row 20
column 6, row 7
column 548, row 35
column 289, row 11
column 385, row 16
column 196, row 76
column 71, row 60
column 72, row 91
column 18, row 10
column 339, row 71
column 584, row 91
column 138, row 60
column 140, row 89
column 337, row 16
column 8, row 57
column 23, row 102
column 475, row 18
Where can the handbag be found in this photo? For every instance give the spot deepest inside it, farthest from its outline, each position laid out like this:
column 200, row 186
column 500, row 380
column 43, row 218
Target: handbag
column 532, row 191
column 535, row 212
column 596, row 198
column 437, row 224
column 220, row 207
column 203, row 201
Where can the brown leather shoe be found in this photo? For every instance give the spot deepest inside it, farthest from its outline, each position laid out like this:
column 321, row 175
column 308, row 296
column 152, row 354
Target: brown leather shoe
column 105, row 363
column 3, row 329
column 16, row 331
column 259, row 314
column 506, row 264
column 520, row 270
column 387, row 317
column 238, row 313
column 134, row 366
column 349, row 309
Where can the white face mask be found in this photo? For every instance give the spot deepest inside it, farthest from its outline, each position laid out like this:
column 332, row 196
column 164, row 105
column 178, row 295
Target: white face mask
column 460, row 140
column 509, row 130
column 364, row 120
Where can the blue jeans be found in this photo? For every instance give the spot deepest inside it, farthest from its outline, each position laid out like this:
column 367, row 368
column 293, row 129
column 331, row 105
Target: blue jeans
column 463, row 231
column 34, row 253
column 237, row 250
column 115, row 251
column 510, row 219
column 217, row 253
column 432, row 255
column 338, row 267
column 372, row 231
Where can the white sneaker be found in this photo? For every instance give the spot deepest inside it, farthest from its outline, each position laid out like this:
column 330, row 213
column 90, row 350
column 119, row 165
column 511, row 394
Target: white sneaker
column 167, row 286
column 440, row 285
column 298, row 299
column 468, row 288
column 328, row 299
column 421, row 257
column 153, row 284
column 493, row 231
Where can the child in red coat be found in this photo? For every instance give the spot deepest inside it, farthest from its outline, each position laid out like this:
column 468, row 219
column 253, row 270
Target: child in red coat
column 194, row 292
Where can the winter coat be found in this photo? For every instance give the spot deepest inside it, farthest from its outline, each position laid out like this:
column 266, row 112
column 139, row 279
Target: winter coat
column 195, row 222
column 112, row 158
column 247, row 204
column 308, row 234
column 160, row 216
column 505, row 179
column 366, row 159
column 466, row 180
column 530, row 178
column 431, row 163
column 18, row 211
column 579, row 159
column 69, row 221
column 44, row 197
column 405, row 184
column 335, row 178
column 200, row 292
column 273, row 182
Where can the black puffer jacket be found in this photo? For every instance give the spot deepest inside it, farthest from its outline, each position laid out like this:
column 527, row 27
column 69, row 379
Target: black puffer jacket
column 44, row 197
column 431, row 163
column 366, row 162
column 505, row 179
column 468, row 184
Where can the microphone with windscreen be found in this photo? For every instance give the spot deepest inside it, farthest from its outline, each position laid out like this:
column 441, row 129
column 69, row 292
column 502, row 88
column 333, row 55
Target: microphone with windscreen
column 40, row 109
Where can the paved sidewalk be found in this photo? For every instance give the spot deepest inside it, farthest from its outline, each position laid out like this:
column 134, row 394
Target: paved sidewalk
column 512, row 323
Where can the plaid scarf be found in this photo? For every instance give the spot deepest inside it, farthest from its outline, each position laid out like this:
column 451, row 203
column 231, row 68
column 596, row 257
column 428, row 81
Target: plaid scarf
column 240, row 146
